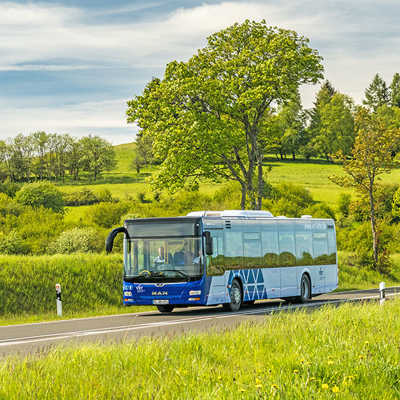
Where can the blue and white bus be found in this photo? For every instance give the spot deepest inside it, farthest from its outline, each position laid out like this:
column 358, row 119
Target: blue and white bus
column 226, row 257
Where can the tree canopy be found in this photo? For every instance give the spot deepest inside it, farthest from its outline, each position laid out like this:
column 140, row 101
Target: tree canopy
column 206, row 115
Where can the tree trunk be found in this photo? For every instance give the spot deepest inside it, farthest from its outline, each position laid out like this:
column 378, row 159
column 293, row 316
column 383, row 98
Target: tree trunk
column 294, row 156
column 243, row 199
column 373, row 228
column 260, row 189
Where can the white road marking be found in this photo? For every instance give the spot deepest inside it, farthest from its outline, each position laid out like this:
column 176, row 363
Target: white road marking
column 191, row 320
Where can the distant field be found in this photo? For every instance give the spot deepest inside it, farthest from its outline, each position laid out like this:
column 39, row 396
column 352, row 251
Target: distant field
column 350, row 352
column 123, row 181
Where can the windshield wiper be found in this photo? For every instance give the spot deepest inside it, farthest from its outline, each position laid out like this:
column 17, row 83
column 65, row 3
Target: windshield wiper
column 177, row 270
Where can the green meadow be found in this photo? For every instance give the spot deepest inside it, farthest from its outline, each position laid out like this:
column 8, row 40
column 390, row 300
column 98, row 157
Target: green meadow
column 124, row 182
column 349, row 352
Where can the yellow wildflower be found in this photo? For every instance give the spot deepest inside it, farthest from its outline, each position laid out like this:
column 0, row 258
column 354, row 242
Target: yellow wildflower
column 335, row 389
column 330, row 362
column 325, row 386
column 258, row 382
column 296, row 371
column 274, row 386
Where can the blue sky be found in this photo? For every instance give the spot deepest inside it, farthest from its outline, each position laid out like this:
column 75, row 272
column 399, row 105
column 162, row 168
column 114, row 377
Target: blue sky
column 69, row 66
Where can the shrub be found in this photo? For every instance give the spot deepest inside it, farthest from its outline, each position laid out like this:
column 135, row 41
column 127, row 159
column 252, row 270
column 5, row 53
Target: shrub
column 83, row 197
column 320, row 210
column 9, row 207
column 107, row 215
column 78, row 240
column 38, row 228
column 358, row 239
column 12, row 243
column 104, row 196
column 344, row 204
column 41, row 194
column 9, row 188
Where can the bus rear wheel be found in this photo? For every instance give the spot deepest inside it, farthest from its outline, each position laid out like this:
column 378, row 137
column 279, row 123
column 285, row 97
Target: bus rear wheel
column 305, row 289
column 166, row 308
column 236, row 297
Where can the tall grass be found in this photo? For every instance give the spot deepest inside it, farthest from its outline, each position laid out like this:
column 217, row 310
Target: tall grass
column 88, row 282
column 349, row 352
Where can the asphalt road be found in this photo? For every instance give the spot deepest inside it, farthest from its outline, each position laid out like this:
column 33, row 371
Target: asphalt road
column 39, row 337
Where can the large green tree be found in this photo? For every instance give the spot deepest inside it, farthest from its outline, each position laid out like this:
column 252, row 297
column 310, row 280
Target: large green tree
column 336, row 126
column 97, row 155
column 205, row 116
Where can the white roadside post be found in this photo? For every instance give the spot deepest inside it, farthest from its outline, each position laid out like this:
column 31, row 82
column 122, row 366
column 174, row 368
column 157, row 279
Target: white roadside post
column 58, row 297
column 382, row 293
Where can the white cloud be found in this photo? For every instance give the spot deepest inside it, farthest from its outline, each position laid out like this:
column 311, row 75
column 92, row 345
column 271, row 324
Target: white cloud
column 355, row 38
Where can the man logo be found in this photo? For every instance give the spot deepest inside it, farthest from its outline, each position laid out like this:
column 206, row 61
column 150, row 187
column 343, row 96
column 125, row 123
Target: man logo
column 159, row 293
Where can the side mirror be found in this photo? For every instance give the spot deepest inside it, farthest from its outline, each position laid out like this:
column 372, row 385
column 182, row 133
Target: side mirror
column 111, row 237
column 209, row 243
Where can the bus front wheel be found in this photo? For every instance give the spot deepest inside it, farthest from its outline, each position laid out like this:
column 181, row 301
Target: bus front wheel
column 166, row 308
column 236, row 297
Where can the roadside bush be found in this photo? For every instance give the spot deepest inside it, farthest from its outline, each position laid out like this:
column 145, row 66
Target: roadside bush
column 78, row 240
column 87, row 281
column 358, row 240
column 41, row 194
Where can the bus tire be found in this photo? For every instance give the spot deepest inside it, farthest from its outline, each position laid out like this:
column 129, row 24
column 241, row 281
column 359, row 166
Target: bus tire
column 165, row 309
column 236, row 297
column 305, row 289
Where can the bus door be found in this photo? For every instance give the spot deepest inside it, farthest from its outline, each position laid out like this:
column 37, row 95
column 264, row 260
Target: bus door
column 215, row 268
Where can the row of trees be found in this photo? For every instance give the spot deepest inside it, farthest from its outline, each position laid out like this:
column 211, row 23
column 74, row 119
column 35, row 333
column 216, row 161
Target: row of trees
column 323, row 130
column 46, row 156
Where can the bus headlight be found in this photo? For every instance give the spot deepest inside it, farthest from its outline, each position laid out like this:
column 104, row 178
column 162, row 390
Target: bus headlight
column 128, row 294
column 194, row 292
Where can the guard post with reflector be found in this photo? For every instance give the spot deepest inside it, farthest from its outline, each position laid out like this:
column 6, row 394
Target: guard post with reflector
column 58, row 299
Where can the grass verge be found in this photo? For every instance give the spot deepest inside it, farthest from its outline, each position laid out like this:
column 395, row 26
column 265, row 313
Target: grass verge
column 347, row 352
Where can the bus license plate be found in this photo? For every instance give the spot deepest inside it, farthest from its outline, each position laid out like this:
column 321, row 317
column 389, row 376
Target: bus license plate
column 161, row 301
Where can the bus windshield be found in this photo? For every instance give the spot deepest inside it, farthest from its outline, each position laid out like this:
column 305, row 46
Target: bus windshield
column 163, row 259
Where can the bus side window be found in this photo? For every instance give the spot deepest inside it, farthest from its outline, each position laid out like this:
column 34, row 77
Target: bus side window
column 252, row 250
column 320, row 248
column 304, row 249
column 233, row 250
column 270, row 251
column 286, row 249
